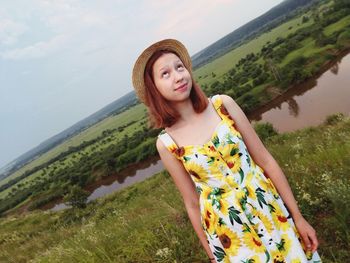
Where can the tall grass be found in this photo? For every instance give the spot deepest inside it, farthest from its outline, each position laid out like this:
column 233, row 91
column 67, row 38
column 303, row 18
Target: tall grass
column 147, row 222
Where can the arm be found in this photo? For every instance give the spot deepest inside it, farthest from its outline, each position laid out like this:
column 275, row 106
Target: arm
column 187, row 189
column 264, row 159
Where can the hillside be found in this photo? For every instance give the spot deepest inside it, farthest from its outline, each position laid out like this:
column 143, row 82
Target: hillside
column 113, row 108
column 259, row 25
column 147, row 222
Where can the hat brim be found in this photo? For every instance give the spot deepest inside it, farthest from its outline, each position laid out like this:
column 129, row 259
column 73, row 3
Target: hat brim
column 140, row 64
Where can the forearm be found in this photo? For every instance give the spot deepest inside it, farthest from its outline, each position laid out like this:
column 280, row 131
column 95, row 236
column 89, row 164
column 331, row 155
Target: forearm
column 194, row 215
column 275, row 173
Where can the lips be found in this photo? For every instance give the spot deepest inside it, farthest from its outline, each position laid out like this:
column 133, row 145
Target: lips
column 182, row 86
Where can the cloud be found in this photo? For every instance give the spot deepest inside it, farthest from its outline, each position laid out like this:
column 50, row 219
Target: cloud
column 184, row 19
column 36, row 50
column 75, row 25
column 10, row 31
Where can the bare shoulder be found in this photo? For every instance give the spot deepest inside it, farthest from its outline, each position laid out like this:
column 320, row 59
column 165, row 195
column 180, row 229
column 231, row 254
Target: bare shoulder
column 160, row 146
column 233, row 108
column 227, row 100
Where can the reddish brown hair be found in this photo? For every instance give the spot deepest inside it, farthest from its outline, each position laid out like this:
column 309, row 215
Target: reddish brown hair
column 161, row 113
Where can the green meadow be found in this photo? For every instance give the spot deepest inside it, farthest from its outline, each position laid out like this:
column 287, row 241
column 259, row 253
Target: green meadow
column 223, row 64
column 147, row 222
column 136, row 113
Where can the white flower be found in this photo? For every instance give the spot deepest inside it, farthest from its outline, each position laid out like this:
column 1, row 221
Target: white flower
column 163, row 252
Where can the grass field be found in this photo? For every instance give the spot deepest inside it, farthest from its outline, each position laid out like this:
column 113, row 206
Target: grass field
column 136, row 113
column 147, row 222
column 309, row 47
column 224, row 63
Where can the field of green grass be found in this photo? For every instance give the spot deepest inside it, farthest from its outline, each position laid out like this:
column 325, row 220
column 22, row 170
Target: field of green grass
column 136, row 113
column 224, row 63
column 147, row 222
column 309, row 47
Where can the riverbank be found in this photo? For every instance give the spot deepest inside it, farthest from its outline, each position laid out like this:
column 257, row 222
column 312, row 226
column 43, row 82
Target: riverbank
column 147, row 222
column 273, row 93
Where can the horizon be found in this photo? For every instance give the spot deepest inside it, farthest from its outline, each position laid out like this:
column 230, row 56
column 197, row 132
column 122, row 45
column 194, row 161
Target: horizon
column 39, row 40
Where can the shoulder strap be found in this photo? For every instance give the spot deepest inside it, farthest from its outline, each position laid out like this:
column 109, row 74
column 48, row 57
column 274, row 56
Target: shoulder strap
column 169, row 143
column 220, row 108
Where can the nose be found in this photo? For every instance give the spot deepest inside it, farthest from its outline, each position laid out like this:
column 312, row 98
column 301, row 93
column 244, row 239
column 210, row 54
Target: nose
column 178, row 76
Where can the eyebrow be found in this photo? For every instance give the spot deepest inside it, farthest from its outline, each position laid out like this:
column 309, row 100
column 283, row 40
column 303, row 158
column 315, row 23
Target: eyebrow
column 178, row 60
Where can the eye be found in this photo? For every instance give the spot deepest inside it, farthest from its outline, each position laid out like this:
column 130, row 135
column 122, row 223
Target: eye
column 180, row 66
column 165, row 73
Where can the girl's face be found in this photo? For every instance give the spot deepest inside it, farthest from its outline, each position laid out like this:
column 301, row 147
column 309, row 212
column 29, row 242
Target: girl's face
column 171, row 78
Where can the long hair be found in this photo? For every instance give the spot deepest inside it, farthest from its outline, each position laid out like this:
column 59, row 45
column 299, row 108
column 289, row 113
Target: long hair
column 161, row 113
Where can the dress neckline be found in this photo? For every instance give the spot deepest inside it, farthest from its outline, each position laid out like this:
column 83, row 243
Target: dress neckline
column 211, row 137
column 207, row 142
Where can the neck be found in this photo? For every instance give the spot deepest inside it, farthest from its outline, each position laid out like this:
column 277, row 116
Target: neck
column 185, row 108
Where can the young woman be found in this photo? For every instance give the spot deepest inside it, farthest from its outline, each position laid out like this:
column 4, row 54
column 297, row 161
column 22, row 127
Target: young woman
column 236, row 195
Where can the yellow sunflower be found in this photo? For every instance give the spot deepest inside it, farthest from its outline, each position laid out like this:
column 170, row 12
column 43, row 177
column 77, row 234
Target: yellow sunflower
column 250, row 191
column 209, row 218
column 264, row 184
column 277, row 257
column 253, row 241
column 234, row 163
column 279, row 218
column 229, row 240
column 272, row 188
column 206, row 192
column 296, row 260
column 266, row 222
column 213, row 168
column 197, row 171
column 224, row 205
column 172, row 147
column 232, row 182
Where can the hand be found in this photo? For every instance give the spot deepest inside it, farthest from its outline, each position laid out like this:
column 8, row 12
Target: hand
column 307, row 234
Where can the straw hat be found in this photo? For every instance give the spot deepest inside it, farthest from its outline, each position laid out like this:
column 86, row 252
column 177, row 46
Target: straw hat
column 140, row 64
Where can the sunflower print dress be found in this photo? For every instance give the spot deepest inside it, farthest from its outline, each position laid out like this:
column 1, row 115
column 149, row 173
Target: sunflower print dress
column 242, row 214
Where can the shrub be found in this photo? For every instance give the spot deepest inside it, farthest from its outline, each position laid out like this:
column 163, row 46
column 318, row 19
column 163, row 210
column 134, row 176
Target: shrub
column 77, row 197
column 265, row 130
column 334, row 118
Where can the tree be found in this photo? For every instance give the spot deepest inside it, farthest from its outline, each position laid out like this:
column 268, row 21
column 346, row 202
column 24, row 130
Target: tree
column 77, row 197
column 305, row 19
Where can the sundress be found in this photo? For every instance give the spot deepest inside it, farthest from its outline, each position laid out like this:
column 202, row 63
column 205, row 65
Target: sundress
column 242, row 214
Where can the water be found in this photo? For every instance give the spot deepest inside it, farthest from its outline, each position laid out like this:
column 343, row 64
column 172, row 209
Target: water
column 309, row 104
column 132, row 174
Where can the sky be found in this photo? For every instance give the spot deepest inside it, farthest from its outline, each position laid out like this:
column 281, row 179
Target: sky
column 63, row 60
